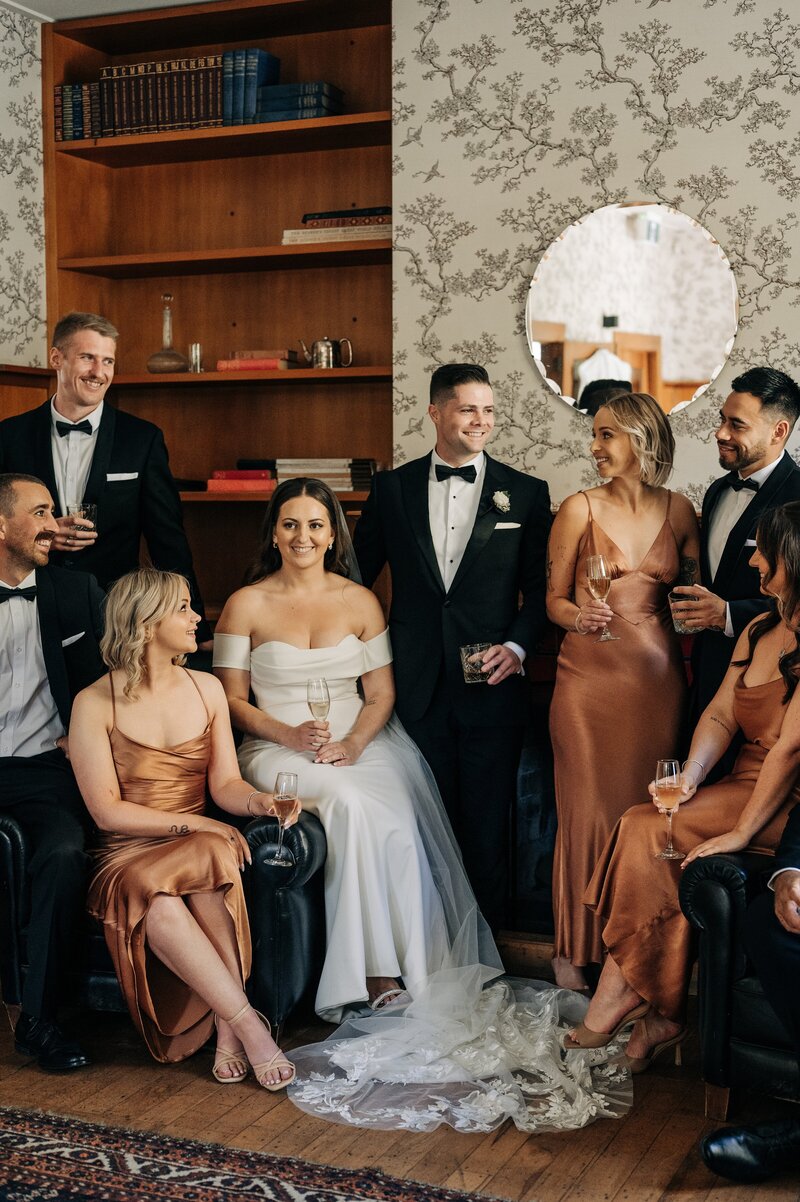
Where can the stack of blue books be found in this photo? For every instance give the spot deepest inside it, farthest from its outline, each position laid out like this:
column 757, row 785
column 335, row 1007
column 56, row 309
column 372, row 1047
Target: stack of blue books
column 295, row 101
column 244, row 72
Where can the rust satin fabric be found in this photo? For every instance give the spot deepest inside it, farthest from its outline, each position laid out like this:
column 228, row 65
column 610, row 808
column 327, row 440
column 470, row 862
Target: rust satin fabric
column 636, row 895
column 617, row 708
column 130, row 871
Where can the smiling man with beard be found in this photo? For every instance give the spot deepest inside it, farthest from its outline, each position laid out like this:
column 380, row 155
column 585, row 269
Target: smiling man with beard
column 755, row 423
column 50, row 626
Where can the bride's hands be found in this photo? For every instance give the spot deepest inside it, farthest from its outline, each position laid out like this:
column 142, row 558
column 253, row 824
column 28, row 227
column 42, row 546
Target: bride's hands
column 341, row 754
column 310, row 736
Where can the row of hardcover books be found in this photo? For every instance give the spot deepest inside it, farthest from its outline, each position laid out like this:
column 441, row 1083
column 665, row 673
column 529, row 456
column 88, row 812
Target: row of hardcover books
column 342, row 225
column 235, row 87
column 341, row 475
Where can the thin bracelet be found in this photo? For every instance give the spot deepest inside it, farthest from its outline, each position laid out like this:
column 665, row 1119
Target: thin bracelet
column 702, row 768
column 247, row 803
column 578, row 618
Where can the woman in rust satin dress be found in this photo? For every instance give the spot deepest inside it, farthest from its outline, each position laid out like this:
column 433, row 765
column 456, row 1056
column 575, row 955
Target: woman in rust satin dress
column 146, row 742
column 635, row 894
column 617, row 706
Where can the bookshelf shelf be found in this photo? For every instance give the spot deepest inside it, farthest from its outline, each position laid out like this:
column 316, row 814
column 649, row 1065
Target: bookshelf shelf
column 299, row 375
column 235, row 259
column 347, row 132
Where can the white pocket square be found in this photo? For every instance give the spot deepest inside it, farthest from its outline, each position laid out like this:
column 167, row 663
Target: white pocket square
column 113, row 476
column 750, row 542
column 507, row 525
column 73, row 638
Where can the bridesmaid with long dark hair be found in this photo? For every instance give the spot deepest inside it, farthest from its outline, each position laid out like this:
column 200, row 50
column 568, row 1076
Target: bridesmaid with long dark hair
column 618, row 704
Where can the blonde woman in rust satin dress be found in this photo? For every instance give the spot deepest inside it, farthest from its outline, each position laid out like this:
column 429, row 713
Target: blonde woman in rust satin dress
column 649, row 942
column 146, row 742
column 617, row 706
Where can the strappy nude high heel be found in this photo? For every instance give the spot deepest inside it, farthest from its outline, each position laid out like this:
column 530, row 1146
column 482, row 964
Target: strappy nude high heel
column 585, row 1037
column 223, row 1059
column 278, row 1061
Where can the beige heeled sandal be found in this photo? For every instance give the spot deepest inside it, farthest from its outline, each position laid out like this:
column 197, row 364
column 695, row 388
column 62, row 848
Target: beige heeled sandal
column 278, row 1061
column 585, row 1037
column 223, row 1059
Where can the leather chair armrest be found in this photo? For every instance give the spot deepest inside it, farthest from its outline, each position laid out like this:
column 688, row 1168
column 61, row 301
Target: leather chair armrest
column 714, row 893
column 13, row 862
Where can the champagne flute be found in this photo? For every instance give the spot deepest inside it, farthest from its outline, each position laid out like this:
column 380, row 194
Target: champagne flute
column 318, row 697
column 668, row 794
column 283, row 802
column 598, row 581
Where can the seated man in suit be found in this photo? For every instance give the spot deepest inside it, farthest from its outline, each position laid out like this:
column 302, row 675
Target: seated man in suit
column 86, row 450
column 772, row 939
column 50, row 628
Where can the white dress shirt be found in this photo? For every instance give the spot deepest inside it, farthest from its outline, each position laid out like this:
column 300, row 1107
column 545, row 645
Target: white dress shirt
column 29, row 719
column 727, row 511
column 72, row 455
column 452, row 509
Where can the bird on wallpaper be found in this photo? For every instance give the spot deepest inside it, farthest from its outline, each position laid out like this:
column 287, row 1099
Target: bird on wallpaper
column 432, row 173
column 413, row 135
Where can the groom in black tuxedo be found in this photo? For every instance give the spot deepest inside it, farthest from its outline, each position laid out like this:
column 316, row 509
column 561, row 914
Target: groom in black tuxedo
column 755, row 423
column 84, row 449
column 772, row 940
column 464, row 536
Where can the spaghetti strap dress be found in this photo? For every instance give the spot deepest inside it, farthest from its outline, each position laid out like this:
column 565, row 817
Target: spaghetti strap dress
column 617, row 708
column 130, row 870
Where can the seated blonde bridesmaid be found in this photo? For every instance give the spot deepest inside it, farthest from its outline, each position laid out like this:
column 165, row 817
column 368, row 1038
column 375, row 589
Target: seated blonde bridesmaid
column 146, row 743
column 634, row 892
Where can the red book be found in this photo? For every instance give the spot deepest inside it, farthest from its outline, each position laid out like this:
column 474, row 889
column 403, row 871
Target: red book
column 242, row 485
column 254, row 364
column 244, row 474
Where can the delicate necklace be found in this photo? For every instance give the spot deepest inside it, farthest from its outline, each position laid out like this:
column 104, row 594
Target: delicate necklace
column 784, row 651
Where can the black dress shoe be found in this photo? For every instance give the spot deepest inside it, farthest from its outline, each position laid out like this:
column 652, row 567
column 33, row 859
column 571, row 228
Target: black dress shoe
column 42, row 1039
column 750, row 1154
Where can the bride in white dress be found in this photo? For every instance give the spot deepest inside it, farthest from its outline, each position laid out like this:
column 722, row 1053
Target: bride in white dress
column 398, row 906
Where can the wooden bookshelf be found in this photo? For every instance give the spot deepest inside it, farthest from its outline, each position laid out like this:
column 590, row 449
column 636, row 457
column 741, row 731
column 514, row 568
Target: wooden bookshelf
column 200, row 214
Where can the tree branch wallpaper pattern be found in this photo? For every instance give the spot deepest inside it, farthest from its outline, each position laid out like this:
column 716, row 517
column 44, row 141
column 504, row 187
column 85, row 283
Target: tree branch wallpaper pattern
column 22, row 292
column 514, row 118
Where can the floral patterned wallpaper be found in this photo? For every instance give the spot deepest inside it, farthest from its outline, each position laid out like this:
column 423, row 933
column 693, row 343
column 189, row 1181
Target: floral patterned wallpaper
column 22, row 298
column 512, row 118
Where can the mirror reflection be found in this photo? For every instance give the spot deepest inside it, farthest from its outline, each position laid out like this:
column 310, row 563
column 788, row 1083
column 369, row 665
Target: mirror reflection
column 638, row 295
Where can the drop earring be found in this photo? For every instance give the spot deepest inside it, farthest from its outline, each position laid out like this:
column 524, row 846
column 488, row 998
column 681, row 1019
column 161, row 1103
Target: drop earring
column 330, row 546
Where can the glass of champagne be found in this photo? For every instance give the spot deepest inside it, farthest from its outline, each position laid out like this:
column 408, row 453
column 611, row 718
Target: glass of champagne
column 319, row 698
column 668, row 797
column 598, row 581
column 283, row 802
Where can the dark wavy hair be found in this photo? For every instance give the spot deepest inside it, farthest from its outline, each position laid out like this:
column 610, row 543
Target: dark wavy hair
column 269, row 558
column 778, row 540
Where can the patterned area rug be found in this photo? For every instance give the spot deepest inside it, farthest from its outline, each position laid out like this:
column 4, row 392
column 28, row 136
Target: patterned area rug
column 46, row 1158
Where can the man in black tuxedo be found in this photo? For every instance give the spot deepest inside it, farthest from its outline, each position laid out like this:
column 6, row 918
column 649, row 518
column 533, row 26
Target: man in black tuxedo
column 463, row 536
column 772, row 940
column 86, row 450
column 50, row 626
column 755, row 423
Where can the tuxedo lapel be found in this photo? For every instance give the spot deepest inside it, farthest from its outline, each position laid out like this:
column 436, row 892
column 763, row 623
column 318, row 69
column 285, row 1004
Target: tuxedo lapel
column 43, row 453
column 96, row 483
column 761, row 502
column 414, row 484
column 50, row 629
column 485, row 521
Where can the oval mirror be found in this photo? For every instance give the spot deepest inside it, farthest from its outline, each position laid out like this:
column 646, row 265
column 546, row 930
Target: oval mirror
column 636, row 294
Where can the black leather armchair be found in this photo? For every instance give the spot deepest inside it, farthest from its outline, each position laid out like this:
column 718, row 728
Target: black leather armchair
column 287, row 920
column 742, row 1040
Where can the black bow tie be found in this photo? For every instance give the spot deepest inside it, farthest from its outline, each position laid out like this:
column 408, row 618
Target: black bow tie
column 6, row 593
column 735, row 482
column 65, row 428
column 467, row 473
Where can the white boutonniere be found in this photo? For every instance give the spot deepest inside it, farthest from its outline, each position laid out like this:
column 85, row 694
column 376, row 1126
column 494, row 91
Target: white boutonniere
column 501, row 501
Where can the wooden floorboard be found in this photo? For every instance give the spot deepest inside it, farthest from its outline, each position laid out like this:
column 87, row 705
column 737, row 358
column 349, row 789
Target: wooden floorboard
column 651, row 1155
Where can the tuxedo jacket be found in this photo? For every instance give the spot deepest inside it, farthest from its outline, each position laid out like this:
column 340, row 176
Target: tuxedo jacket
column 69, row 605
column 131, row 484
column 735, row 581
column 788, row 853
column 505, row 556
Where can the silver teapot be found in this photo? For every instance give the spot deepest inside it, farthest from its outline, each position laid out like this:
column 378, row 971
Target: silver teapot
column 327, row 352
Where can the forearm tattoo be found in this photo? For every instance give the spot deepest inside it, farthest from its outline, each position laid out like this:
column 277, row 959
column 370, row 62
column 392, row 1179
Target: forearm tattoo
column 179, row 830
column 719, row 722
column 690, row 571
column 549, row 571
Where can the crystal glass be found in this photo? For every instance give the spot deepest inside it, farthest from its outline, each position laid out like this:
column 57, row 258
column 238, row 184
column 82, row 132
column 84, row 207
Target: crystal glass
column 283, row 800
column 667, row 798
column 318, row 698
column 598, row 581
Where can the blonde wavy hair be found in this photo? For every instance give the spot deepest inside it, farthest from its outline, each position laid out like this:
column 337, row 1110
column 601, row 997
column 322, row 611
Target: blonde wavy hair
column 134, row 606
column 641, row 417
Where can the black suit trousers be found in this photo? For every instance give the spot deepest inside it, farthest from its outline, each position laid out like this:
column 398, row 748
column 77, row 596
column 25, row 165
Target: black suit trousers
column 40, row 793
column 775, row 953
column 476, row 771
